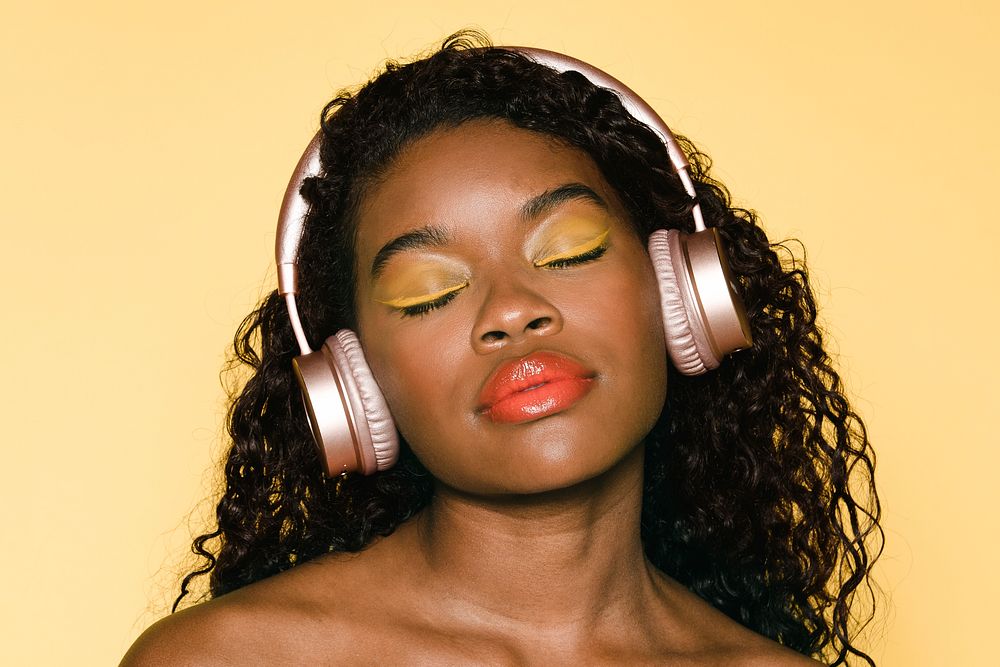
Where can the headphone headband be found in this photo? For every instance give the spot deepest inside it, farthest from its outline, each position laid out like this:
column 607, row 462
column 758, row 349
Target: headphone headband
column 703, row 318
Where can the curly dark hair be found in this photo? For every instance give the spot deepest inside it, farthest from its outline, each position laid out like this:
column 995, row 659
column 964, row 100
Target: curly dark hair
column 759, row 490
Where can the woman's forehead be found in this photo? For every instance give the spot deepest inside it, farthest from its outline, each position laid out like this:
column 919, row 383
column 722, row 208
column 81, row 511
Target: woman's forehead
column 478, row 172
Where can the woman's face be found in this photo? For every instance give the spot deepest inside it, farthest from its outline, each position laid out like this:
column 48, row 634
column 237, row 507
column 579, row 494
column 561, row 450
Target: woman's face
column 529, row 251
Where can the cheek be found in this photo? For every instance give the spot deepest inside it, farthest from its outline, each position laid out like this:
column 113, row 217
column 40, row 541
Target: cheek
column 414, row 372
column 628, row 302
column 393, row 354
column 631, row 322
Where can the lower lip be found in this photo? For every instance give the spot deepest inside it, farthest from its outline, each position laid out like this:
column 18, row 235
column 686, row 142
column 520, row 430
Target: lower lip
column 548, row 399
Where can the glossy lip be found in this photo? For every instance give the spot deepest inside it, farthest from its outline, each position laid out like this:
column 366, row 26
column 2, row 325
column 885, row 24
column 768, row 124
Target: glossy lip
column 528, row 372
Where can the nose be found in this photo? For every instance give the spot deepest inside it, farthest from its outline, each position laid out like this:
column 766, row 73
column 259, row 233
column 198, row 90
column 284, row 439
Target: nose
column 513, row 314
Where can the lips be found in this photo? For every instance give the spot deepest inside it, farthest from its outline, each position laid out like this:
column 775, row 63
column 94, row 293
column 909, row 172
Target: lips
column 534, row 386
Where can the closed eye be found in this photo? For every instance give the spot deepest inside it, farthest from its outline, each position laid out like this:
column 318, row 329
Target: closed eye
column 588, row 256
column 424, row 308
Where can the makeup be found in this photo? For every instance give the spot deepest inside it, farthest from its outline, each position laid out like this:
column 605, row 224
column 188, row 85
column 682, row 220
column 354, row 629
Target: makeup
column 565, row 237
column 407, row 301
column 409, row 284
column 542, row 401
column 560, row 242
column 538, row 385
column 577, row 251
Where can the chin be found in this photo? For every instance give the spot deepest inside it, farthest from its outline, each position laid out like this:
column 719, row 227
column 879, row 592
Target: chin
column 549, row 466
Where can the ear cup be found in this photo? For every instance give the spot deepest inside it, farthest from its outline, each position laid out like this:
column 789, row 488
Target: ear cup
column 350, row 420
column 703, row 316
column 377, row 426
column 685, row 337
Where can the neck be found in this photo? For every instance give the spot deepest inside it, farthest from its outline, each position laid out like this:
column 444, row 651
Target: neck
column 560, row 561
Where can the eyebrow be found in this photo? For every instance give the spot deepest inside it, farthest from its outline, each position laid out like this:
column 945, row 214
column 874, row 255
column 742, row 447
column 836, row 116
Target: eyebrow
column 431, row 236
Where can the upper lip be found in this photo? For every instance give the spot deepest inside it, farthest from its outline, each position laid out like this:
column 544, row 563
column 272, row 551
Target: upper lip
column 527, row 371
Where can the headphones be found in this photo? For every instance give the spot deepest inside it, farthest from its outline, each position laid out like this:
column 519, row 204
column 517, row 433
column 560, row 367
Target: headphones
column 703, row 316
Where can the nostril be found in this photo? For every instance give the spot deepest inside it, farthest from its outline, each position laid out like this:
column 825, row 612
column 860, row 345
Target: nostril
column 493, row 336
column 540, row 322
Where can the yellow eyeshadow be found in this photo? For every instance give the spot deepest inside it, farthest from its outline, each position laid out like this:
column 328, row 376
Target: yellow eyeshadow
column 407, row 301
column 576, row 250
column 411, row 278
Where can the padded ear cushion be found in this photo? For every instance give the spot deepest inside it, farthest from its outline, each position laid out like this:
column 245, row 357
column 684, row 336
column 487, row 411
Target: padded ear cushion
column 378, row 440
column 687, row 342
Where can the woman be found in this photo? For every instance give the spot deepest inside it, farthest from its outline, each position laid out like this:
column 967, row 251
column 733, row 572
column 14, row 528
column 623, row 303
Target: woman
column 563, row 494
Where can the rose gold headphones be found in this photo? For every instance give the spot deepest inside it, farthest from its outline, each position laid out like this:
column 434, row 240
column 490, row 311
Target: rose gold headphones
column 703, row 316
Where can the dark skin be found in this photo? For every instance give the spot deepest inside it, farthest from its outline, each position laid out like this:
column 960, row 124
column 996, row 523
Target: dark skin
column 529, row 552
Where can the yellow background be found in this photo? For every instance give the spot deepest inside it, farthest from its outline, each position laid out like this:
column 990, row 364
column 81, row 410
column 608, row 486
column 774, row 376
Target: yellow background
column 145, row 148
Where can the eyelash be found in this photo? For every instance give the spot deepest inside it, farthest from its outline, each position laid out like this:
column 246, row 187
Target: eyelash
column 424, row 308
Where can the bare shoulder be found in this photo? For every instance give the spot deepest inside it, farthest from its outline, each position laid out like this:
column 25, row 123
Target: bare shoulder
column 771, row 654
column 745, row 648
column 199, row 635
column 304, row 613
column 741, row 647
column 716, row 639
